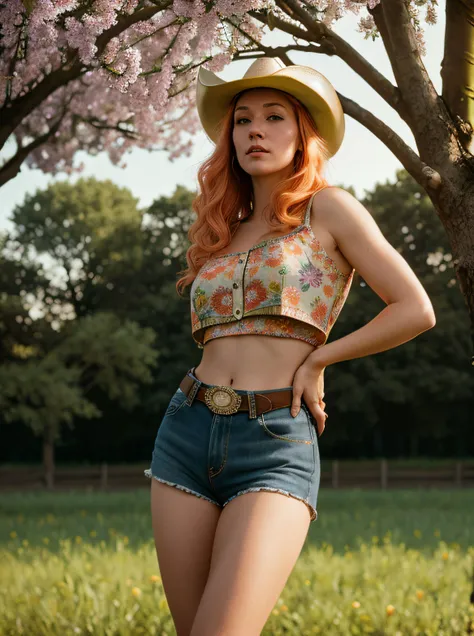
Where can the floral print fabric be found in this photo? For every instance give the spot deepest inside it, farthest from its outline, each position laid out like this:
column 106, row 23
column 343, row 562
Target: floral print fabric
column 285, row 286
column 281, row 326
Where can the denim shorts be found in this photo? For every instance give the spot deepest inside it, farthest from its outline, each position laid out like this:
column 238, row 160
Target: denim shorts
column 219, row 457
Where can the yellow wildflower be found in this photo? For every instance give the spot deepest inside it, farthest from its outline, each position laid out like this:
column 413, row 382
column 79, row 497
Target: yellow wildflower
column 390, row 610
column 13, row 534
column 445, row 556
column 136, row 591
column 355, row 604
column 155, row 579
column 163, row 604
column 419, row 594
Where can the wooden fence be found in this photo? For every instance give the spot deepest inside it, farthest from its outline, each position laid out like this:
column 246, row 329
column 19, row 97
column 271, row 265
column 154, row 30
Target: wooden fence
column 335, row 474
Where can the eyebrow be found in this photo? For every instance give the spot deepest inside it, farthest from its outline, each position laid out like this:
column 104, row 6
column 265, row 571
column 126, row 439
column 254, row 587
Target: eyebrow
column 264, row 105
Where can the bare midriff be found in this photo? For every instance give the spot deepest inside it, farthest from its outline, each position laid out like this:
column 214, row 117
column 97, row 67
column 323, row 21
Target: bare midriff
column 251, row 362
column 260, row 362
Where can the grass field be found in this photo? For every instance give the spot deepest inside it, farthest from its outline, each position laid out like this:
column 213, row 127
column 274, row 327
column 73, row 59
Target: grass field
column 393, row 562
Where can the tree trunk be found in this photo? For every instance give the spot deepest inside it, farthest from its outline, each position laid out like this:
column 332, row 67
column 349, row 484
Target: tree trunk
column 48, row 458
column 454, row 204
column 440, row 139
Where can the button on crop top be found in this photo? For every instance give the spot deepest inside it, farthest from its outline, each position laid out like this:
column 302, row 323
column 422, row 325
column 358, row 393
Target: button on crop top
column 285, row 286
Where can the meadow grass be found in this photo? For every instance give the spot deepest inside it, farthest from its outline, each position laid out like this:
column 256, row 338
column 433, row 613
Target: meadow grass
column 390, row 562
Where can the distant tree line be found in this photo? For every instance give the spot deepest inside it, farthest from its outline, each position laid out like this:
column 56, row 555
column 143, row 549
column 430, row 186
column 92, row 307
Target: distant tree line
column 94, row 338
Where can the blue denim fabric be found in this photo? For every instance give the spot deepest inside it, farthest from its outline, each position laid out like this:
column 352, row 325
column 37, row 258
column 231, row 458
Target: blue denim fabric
column 218, row 457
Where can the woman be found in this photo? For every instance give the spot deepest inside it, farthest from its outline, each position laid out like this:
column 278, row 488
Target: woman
column 236, row 463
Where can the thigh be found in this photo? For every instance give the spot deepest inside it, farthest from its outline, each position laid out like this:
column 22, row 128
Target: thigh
column 258, row 540
column 184, row 527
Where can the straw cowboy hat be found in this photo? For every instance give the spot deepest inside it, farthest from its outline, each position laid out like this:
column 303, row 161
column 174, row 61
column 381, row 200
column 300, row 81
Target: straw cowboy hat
column 213, row 96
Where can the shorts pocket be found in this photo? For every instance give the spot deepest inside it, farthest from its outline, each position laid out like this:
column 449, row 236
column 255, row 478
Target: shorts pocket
column 280, row 424
column 312, row 420
column 176, row 403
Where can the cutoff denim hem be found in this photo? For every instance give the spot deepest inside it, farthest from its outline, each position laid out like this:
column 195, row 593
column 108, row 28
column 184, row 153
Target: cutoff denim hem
column 219, row 457
column 312, row 511
column 188, row 490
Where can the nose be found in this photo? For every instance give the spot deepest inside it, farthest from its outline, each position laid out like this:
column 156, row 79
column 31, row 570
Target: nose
column 255, row 131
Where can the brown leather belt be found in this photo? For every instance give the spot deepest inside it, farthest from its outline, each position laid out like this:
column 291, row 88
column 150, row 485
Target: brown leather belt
column 225, row 401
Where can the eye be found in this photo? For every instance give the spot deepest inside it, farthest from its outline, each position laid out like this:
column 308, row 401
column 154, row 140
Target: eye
column 237, row 121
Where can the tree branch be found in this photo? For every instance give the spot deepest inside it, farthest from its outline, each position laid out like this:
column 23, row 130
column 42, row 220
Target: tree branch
column 275, row 51
column 96, row 123
column 423, row 104
column 13, row 61
column 273, row 21
column 12, row 167
column 237, row 27
column 420, row 171
column 325, row 37
column 22, row 106
column 149, row 35
column 278, row 51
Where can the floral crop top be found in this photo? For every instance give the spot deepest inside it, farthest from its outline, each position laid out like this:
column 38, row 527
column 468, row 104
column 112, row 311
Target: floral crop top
column 286, row 286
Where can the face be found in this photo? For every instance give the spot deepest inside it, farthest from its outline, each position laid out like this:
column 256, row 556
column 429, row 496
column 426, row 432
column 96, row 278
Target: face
column 265, row 117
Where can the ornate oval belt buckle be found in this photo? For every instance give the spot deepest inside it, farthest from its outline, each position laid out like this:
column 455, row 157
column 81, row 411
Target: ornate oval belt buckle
column 222, row 400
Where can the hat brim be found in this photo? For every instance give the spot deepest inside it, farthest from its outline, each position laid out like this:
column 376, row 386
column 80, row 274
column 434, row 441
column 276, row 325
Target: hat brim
column 311, row 88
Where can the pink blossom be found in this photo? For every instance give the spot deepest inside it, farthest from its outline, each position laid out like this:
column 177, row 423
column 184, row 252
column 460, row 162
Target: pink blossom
column 137, row 83
column 189, row 8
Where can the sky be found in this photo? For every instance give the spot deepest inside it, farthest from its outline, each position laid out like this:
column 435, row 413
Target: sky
column 361, row 162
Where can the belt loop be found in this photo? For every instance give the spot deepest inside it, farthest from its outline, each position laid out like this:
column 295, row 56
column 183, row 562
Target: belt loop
column 193, row 390
column 252, row 405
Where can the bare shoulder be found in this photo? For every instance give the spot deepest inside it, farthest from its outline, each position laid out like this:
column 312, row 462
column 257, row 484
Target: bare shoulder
column 344, row 216
column 360, row 240
column 334, row 204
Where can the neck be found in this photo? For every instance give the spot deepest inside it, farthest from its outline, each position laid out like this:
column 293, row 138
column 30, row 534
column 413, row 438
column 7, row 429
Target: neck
column 263, row 187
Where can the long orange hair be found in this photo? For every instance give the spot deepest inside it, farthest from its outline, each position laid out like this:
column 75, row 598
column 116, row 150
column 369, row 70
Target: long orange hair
column 226, row 188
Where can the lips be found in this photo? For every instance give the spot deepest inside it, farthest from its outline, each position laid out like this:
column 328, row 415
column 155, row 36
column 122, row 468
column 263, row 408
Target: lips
column 255, row 148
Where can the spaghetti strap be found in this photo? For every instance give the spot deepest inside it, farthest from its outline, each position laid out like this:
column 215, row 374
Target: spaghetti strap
column 307, row 216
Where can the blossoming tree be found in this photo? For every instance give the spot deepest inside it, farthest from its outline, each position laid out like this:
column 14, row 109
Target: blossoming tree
column 109, row 75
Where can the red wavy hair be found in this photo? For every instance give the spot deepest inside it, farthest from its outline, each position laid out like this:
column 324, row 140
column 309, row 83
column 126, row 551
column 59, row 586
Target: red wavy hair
column 227, row 188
